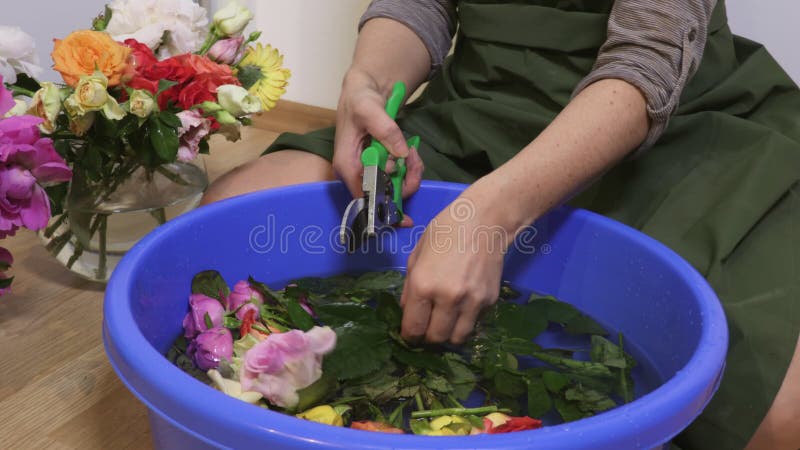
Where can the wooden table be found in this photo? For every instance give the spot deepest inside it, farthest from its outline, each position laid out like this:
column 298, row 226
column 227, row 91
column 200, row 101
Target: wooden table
column 57, row 389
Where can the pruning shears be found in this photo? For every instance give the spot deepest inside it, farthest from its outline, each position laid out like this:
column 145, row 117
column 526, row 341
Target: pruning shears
column 382, row 203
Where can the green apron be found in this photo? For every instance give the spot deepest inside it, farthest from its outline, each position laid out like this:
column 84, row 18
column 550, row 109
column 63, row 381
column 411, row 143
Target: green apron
column 720, row 187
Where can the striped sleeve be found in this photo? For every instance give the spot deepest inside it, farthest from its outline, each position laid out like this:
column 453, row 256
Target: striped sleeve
column 656, row 45
column 434, row 21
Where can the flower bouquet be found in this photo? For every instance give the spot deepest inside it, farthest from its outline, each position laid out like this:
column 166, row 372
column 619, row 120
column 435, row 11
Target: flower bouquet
column 143, row 91
column 329, row 350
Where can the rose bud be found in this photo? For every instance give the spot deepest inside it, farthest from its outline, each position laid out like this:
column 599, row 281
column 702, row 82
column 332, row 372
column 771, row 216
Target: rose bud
column 210, row 347
column 226, row 51
column 195, row 321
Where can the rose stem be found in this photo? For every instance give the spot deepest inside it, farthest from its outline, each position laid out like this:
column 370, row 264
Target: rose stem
column 480, row 411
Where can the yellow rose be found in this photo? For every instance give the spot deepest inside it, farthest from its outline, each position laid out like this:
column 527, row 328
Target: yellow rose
column 46, row 103
column 91, row 95
column 323, row 414
column 79, row 125
column 82, row 52
column 141, row 103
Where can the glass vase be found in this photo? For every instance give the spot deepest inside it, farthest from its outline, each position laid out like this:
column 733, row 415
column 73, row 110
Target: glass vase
column 102, row 221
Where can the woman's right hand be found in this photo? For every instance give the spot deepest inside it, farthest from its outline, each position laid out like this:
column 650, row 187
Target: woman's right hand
column 361, row 115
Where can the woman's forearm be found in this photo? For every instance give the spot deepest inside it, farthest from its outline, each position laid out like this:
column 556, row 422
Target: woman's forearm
column 598, row 128
column 387, row 51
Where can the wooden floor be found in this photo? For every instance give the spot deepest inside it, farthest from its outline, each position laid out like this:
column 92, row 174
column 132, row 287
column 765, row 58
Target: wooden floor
column 57, row 390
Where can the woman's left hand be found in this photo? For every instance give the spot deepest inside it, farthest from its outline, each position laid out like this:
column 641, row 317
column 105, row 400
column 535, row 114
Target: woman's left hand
column 453, row 273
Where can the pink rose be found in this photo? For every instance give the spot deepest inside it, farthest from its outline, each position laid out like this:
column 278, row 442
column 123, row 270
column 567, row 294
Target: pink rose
column 194, row 128
column 27, row 162
column 211, row 347
column 226, row 51
column 199, row 306
column 284, row 362
column 242, row 293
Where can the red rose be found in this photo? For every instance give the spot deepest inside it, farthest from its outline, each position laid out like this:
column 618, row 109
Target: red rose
column 141, row 56
column 512, row 424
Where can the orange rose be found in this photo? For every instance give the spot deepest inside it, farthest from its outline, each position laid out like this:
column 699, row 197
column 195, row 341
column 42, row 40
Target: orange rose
column 83, row 51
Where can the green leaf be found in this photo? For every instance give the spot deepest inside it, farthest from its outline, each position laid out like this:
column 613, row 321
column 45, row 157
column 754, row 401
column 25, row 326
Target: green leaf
column 211, row 284
column 359, row 350
column 584, row 324
column 395, row 418
column 163, row 85
column 169, row 119
column 266, row 292
column 207, row 319
column 438, row 383
column 249, row 75
column 299, row 316
column 522, row 322
column 57, row 194
column 509, row 384
column 607, row 353
column 419, row 426
column 317, row 392
column 164, row 139
column 231, row 322
column 204, row 149
column 419, row 359
column 337, row 314
column 569, row 411
column 539, row 401
column 92, row 161
column 557, row 311
column 507, row 292
column 380, row 281
column 6, row 282
column 388, row 310
column 462, row 378
column 588, row 400
column 520, row 346
column 554, row 381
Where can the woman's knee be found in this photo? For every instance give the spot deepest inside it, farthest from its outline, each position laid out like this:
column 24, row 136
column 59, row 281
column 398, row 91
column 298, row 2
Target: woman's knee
column 282, row 168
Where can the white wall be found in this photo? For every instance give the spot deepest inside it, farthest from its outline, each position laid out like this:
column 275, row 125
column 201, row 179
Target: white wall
column 774, row 24
column 317, row 38
column 49, row 19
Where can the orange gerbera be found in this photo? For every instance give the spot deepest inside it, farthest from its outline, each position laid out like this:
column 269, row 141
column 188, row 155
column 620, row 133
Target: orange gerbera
column 83, row 51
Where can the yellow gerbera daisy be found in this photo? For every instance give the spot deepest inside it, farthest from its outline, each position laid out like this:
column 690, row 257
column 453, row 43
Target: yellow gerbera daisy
column 260, row 72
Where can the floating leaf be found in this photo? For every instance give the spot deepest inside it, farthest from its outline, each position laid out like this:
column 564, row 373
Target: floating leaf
column 521, row 322
column 539, row 401
column 359, row 350
column 299, row 316
column 211, row 284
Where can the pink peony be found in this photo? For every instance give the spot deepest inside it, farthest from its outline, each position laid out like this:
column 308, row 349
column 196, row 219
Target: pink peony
column 194, row 128
column 284, row 362
column 195, row 321
column 27, row 162
column 243, row 293
column 210, row 347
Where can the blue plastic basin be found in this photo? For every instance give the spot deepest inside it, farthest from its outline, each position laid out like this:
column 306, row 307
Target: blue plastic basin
column 625, row 279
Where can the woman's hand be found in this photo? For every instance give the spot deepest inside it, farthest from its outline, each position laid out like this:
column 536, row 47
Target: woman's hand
column 453, row 273
column 361, row 115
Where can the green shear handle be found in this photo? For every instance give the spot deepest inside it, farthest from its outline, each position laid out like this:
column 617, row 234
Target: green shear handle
column 377, row 155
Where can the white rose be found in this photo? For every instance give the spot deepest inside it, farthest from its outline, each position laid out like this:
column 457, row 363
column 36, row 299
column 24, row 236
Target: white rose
column 17, row 54
column 182, row 22
column 237, row 101
column 232, row 19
